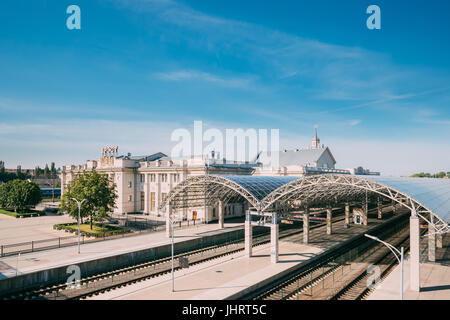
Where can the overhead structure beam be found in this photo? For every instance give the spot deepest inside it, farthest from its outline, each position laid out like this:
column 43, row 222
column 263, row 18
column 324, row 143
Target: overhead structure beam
column 297, row 193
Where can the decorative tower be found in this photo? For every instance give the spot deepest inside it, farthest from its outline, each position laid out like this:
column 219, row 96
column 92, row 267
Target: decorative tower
column 315, row 141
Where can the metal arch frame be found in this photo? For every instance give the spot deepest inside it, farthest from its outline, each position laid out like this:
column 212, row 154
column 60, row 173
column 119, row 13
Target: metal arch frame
column 201, row 180
column 291, row 190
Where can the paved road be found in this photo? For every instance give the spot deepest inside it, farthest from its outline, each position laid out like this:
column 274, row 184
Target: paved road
column 13, row 230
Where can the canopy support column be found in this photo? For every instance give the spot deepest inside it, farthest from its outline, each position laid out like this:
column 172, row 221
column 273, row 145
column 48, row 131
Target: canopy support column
column 221, row 215
column 306, row 226
column 439, row 240
column 329, row 217
column 248, row 234
column 365, row 207
column 274, row 230
column 414, row 238
column 431, row 241
column 380, row 208
column 347, row 213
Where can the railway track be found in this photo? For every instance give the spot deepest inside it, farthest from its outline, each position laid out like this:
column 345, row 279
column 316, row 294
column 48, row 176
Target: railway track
column 330, row 268
column 120, row 277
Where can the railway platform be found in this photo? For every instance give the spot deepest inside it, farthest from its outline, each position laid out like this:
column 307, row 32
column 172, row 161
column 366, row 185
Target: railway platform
column 43, row 260
column 434, row 279
column 231, row 277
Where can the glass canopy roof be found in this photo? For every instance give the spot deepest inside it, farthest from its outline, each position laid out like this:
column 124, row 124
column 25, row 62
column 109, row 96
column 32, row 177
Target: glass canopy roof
column 260, row 186
column 430, row 192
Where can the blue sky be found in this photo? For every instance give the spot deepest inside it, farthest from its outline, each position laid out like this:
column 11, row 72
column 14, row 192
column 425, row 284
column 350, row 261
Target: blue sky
column 139, row 69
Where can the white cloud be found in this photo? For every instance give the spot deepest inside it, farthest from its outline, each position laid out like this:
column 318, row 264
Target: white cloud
column 354, row 122
column 192, row 75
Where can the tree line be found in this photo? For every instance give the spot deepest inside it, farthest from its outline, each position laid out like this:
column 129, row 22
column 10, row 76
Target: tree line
column 440, row 175
column 8, row 176
column 47, row 173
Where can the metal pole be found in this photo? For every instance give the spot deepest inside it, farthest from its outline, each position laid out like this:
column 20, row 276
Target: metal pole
column 401, row 271
column 79, row 203
column 79, row 209
column 173, row 277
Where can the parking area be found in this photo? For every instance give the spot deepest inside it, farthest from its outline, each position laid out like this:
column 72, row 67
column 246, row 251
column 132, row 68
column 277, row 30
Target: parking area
column 16, row 230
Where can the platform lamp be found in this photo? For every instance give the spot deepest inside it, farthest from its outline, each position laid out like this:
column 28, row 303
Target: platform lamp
column 79, row 203
column 398, row 254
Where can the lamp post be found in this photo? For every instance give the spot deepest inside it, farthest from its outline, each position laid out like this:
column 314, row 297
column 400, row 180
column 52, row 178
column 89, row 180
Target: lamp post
column 172, row 224
column 79, row 203
column 398, row 254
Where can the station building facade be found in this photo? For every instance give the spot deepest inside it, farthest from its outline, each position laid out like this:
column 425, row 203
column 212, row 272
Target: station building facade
column 143, row 182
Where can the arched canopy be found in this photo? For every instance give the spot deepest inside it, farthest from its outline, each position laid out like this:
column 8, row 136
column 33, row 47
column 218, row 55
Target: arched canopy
column 208, row 189
column 424, row 197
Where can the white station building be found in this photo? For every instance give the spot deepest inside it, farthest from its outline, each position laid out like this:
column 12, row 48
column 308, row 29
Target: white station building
column 143, row 182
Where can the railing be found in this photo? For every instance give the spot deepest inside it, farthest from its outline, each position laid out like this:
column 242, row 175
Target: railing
column 60, row 242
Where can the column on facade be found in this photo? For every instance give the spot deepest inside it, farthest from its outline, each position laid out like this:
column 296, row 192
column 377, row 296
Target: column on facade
column 221, row 214
column 329, row 217
column 414, row 238
column 146, row 193
column 274, row 246
column 248, row 234
column 380, row 208
column 347, row 213
column 158, row 192
column 306, row 226
column 169, row 215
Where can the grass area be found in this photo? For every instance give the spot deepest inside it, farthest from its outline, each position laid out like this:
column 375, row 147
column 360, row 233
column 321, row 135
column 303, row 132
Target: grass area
column 57, row 199
column 98, row 229
column 27, row 214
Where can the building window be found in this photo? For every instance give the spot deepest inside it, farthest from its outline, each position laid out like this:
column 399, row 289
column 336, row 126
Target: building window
column 214, row 212
column 152, row 201
column 152, row 177
column 163, row 196
column 130, row 198
column 142, row 178
column 176, row 177
column 142, row 201
column 163, row 177
column 129, row 184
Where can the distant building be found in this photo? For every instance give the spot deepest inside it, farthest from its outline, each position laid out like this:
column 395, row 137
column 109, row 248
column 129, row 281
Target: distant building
column 316, row 159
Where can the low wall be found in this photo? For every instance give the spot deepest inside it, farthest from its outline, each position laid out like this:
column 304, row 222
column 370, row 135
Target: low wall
column 58, row 275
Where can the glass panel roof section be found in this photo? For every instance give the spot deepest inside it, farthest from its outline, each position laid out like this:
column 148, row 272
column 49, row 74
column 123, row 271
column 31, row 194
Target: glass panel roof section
column 433, row 193
column 260, row 186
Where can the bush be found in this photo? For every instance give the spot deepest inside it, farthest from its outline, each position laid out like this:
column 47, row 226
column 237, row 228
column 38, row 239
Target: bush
column 98, row 229
column 27, row 214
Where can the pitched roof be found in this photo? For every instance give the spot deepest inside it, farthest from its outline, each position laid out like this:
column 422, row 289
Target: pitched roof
column 301, row 157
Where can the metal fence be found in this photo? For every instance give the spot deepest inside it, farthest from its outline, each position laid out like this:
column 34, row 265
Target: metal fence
column 140, row 226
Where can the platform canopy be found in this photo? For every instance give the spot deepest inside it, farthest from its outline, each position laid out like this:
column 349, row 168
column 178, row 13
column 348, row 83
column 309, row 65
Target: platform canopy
column 426, row 197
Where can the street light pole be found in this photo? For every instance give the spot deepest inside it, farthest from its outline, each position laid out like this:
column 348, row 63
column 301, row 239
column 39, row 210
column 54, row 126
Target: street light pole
column 399, row 254
column 79, row 203
column 172, row 221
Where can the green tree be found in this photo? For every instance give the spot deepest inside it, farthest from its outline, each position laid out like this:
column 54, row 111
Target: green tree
column 97, row 189
column 53, row 170
column 19, row 194
column 46, row 171
column 37, row 172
